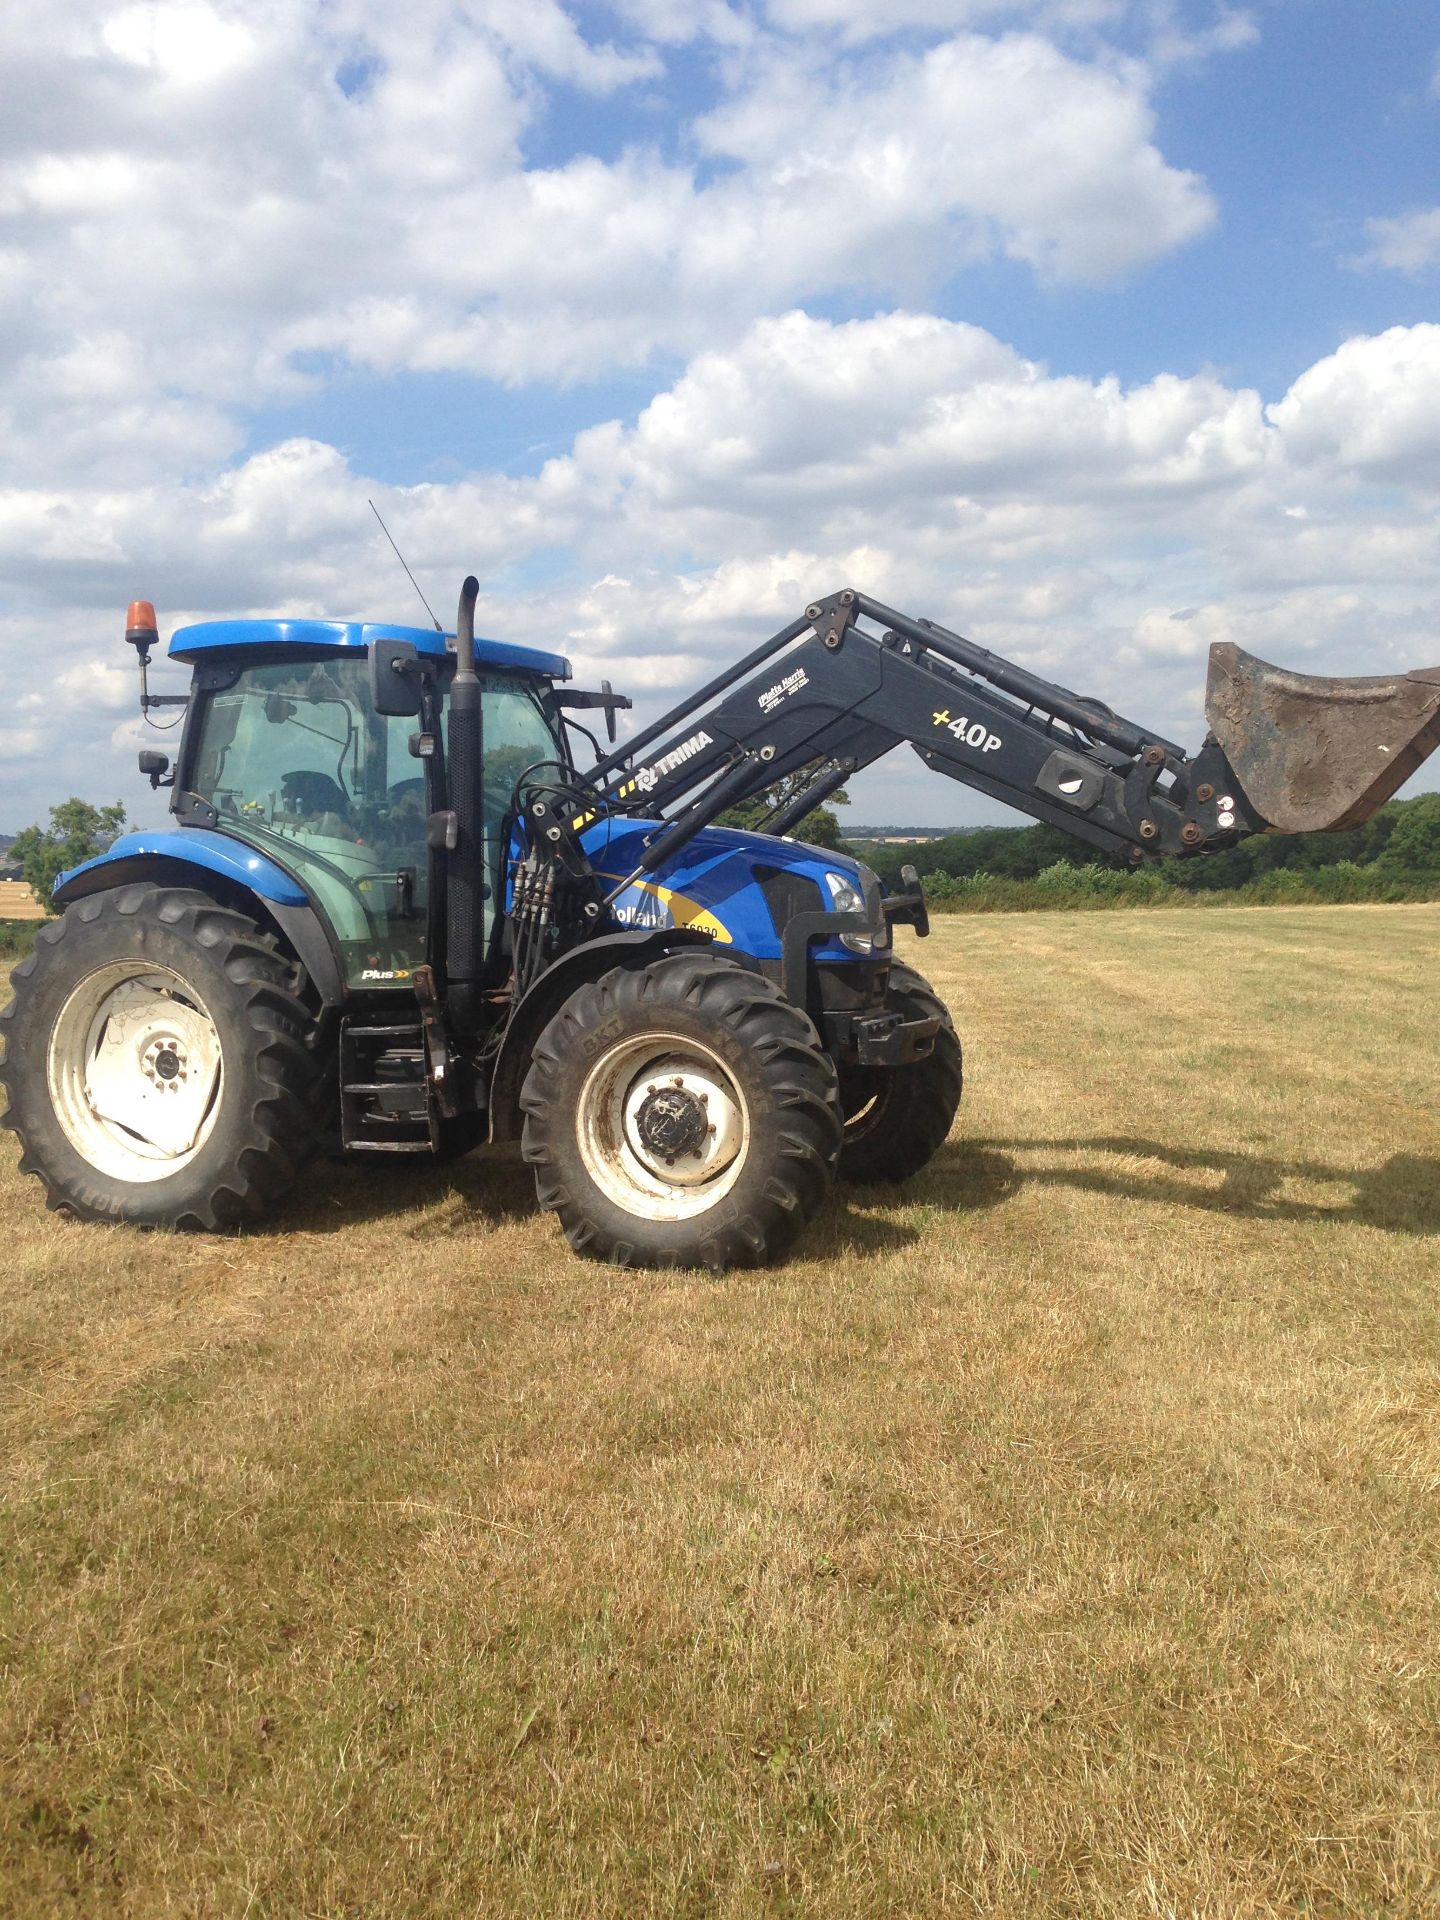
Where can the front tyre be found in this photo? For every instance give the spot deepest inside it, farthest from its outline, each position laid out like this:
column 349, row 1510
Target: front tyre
column 159, row 1062
column 682, row 1114
column 898, row 1118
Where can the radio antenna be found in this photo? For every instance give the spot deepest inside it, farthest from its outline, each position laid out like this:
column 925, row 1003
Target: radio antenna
column 408, row 575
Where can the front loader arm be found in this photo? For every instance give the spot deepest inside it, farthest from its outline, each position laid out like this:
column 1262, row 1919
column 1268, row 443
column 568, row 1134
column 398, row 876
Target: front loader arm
column 830, row 693
column 829, row 690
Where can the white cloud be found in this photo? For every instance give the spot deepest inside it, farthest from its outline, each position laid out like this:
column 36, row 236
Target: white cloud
column 673, row 23
column 543, row 37
column 1405, row 242
column 1101, row 533
column 978, row 146
column 1372, row 407
column 858, row 20
column 1176, row 41
column 1167, row 30
column 201, row 178
column 184, row 41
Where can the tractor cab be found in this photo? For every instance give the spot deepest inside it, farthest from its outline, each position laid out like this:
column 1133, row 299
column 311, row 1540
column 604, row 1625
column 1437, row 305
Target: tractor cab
column 286, row 748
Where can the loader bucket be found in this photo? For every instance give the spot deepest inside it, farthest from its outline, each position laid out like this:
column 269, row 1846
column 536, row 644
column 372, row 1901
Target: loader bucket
column 1313, row 755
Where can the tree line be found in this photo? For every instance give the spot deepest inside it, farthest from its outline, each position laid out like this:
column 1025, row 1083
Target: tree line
column 1394, row 856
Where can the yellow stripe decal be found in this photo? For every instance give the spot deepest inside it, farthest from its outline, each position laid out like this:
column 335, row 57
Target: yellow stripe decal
column 683, row 910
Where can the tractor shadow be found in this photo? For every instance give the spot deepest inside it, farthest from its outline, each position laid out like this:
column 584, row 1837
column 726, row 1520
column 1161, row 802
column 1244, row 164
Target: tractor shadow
column 493, row 1187
column 1401, row 1196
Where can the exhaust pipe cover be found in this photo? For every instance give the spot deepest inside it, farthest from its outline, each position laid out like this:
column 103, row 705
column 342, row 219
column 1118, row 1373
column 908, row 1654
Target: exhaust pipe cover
column 1312, row 754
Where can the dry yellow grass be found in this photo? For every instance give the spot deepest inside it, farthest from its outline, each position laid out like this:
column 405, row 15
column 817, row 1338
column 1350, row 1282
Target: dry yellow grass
column 1057, row 1537
column 17, row 902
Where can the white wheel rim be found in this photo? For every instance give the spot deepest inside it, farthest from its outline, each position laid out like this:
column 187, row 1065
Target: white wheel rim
column 657, row 1091
column 135, row 1071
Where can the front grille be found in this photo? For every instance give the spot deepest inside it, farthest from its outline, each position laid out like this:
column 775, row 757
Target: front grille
column 787, row 894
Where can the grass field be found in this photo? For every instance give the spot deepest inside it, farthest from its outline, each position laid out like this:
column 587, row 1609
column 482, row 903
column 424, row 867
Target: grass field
column 1060, row 1536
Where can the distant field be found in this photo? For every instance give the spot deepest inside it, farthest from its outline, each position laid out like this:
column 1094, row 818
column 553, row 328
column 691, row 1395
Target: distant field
column 17, row 902
column 1059, row 1536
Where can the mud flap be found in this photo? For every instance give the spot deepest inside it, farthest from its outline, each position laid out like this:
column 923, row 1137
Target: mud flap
column 1314, row 755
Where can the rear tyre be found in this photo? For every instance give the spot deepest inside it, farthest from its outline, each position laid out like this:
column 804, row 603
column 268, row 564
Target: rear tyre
column 159, row 1062
column 898, row 1118
column 681, row 1115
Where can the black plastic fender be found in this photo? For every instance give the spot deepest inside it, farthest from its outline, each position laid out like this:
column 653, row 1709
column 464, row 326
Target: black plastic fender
column 634, row 948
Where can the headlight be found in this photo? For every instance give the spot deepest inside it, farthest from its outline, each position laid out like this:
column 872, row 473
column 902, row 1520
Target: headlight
column 846, row 897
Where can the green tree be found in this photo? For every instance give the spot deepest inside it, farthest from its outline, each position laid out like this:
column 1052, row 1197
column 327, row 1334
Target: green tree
column 77, row 831
column 1414, row 843
column 820, row 826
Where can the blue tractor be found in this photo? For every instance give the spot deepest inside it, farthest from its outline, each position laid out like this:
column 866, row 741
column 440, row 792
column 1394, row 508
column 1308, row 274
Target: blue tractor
column 393, row 915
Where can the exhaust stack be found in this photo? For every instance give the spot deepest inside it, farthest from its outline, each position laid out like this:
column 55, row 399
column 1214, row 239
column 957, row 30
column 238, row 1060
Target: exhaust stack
column 1315, row 755
column 465, row 873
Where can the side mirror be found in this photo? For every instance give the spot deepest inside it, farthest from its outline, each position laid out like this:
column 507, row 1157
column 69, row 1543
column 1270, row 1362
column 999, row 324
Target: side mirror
column 394, row 677
column 611, row 701
column 156, row 765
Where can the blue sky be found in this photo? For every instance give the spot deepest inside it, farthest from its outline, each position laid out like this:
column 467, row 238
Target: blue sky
column 1101, row 329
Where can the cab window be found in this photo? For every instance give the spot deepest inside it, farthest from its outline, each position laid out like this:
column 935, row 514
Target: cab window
column 517, row 738
column 293, row 759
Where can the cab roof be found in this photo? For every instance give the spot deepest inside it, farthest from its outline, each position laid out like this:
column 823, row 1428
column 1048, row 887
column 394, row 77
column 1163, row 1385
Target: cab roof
column 329, row 636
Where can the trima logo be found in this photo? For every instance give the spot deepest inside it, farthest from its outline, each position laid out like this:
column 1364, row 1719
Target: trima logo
column 650, row 777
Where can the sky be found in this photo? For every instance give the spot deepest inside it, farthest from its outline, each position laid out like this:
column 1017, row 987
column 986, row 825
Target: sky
column 1098, row 330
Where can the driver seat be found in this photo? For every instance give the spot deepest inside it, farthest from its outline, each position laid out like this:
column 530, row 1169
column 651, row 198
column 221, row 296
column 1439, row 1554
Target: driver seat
column 312, row 793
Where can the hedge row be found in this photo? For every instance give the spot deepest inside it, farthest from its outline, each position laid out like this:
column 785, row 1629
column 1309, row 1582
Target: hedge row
column 17, row 937
column 1071, row 888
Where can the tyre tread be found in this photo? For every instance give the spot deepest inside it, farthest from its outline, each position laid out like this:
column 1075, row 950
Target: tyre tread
column 800, row 1082
column 279, row 1130
column 901, row 1142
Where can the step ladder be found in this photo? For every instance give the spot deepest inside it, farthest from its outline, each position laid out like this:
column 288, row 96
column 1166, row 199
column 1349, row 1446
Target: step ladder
column 385, row 1104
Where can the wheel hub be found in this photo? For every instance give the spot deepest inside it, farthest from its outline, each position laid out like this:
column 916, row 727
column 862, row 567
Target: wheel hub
column 672, row 1120
column 663, row 1126
column 681, row 1120
column 135, row 1070
column 164, row 1063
